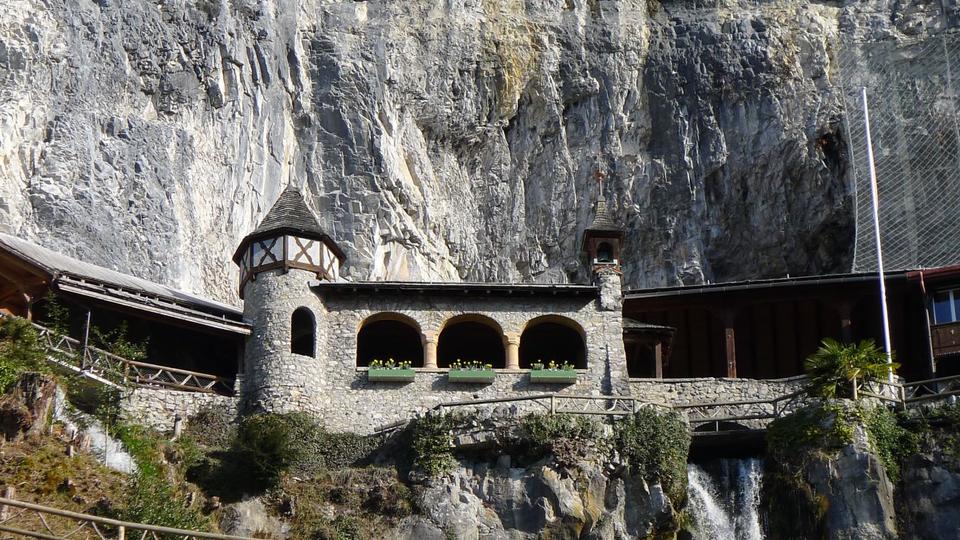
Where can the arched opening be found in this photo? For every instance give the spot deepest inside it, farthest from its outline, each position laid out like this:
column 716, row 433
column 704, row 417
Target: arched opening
column 553, row 339
column 389, row 335
column 303, row 332
column 605, row 252
column 471, row 338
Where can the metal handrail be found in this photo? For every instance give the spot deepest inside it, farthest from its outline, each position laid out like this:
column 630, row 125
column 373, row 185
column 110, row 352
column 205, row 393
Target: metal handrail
column 122, row 527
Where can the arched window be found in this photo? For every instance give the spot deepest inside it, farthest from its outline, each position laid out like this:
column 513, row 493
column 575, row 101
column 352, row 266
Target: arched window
column 389, row 335
column 553, row 339
column 303, row 332
column 471, row 338
column 605, row 252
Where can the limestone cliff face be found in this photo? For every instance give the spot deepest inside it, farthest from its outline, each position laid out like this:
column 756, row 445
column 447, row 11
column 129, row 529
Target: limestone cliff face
column 437, row 140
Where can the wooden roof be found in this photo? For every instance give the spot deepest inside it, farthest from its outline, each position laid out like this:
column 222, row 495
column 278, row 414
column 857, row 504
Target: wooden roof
column 25, row 263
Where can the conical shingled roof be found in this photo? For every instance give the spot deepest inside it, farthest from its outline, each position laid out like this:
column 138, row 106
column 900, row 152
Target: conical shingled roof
column 289, row 215
column 289, row 212
column 602, row 221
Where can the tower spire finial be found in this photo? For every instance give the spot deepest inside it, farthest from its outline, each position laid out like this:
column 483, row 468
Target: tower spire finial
column 599, row 175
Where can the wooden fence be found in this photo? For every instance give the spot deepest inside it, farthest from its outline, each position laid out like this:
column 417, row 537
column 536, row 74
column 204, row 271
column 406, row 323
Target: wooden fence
column 22, row 519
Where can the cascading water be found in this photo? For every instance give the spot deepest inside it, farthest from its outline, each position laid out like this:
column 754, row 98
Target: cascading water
column 725, row 505
column 109, row 450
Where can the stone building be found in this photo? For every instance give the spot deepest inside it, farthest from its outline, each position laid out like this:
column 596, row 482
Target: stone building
column 316, row 334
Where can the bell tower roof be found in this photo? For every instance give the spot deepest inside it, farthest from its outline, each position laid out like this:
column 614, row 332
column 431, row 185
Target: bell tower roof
column 602, row 220
column 289, row 215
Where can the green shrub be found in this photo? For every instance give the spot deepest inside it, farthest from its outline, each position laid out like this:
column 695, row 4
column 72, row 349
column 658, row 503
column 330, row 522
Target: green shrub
column 431, row 444
column 20, row 351
column 56, row 314
column 151, row 497
column 540, row 430
column 821, row 427
column 889, row 440
column 343, row 527
column 834, row 367
column 655, row 444
column 117, row 341
column 267, row 445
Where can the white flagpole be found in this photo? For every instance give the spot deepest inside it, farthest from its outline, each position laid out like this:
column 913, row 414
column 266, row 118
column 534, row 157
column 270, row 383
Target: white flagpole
column 876, row 233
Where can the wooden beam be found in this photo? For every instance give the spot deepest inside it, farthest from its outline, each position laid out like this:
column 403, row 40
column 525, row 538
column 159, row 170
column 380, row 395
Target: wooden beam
column 658, row 360
column 845, row 309
column 730, row 340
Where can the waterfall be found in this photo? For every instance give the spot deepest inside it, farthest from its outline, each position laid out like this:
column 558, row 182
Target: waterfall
column 725, row 505
column 108, row 450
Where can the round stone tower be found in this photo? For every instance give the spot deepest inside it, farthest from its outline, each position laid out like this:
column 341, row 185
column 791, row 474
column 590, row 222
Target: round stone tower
column 282, row 368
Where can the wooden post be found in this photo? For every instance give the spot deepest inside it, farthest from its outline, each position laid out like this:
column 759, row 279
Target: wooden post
column 658, row 359
column 855, row 392
column 846, row 321
column 27, row 307
column 121, row 532
column 86, row 342
column 730, row 340
column 8, row 493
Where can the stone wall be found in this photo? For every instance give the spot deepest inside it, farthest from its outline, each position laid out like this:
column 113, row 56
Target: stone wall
column 709, row 389
column 275, row 379
column 157, row 408
column 353, row 403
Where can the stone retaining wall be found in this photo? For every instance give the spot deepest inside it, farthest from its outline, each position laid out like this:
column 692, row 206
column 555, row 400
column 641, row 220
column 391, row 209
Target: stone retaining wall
column 157, row 408
column 684, row 391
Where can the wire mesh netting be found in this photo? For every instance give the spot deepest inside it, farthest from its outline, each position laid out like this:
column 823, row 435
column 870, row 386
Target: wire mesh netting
column 915, row 130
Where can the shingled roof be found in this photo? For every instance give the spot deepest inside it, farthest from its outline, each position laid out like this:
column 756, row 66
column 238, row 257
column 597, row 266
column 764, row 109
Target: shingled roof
column 289, row 215
column 289, row 212
column 602, row 221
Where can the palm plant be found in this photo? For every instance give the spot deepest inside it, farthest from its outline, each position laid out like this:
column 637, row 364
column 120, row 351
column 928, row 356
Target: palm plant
column 835, row 367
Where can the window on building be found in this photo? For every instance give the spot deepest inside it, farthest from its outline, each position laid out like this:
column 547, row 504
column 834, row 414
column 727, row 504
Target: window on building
column 384, row 339
column 471, row 339
column 605, row 252
column 303, row 330
column 551, row 341
column 946, row 306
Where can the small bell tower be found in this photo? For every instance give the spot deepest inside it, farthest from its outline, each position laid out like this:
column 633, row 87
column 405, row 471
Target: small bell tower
column 603, row 239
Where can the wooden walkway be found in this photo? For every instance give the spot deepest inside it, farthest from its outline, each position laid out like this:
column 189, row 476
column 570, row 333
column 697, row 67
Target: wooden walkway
column 112, row 370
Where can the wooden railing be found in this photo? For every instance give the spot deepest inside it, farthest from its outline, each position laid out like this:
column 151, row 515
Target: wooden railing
column 108, row 368
column 23, row 519
column 563, row 404
column 724, row 415
column 716, row 416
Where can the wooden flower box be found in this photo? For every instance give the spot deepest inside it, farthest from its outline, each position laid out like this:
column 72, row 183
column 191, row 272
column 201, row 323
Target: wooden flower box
column 482, row 376
column 553, row 376
column 390, row 375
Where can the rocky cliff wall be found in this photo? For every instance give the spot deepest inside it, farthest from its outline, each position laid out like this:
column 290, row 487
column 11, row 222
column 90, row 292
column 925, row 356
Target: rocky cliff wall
column 438, row 141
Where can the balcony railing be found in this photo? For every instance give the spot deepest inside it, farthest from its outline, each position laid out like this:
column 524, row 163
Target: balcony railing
column 108, row 368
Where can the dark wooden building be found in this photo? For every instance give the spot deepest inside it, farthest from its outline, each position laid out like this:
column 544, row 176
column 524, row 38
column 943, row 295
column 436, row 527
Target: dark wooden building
column 181, row 330
column 765, row 329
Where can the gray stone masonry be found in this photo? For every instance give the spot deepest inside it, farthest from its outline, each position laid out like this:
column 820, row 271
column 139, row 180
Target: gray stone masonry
column 712, row 390
column 275, row 379
column 157, row 408
column 354, row 404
